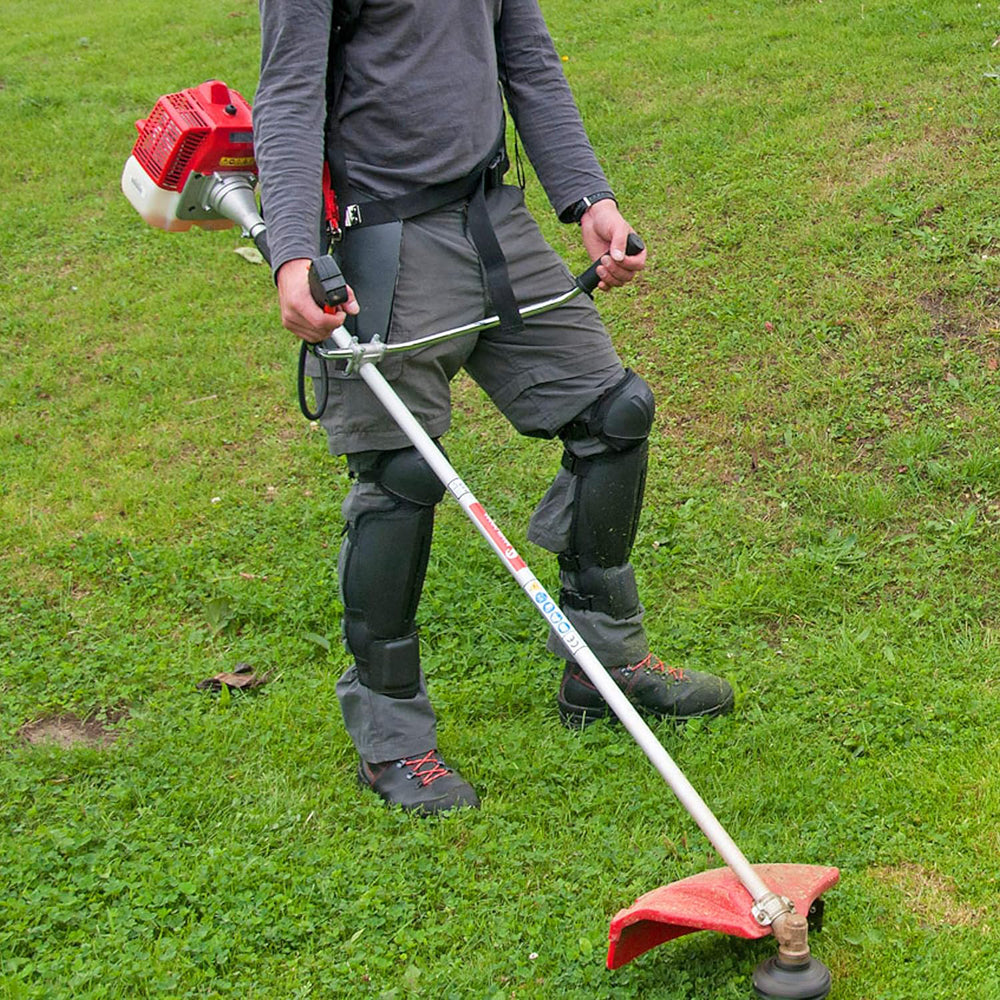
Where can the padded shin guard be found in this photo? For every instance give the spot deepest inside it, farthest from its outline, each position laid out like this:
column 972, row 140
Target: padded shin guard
column 606, row 507
column 607, row 499
column 612, row 590
column 596, row 574
column 382, row 567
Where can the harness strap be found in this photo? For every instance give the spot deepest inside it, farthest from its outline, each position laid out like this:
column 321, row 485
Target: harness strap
column 497, row 277
column 413, row 203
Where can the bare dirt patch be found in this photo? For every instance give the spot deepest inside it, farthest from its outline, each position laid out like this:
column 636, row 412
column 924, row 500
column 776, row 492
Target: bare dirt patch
column 930, row 896
column 949, row 322
column 69, row 730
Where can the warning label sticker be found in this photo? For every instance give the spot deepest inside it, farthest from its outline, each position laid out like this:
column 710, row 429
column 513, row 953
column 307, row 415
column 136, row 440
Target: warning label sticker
column 497, row 537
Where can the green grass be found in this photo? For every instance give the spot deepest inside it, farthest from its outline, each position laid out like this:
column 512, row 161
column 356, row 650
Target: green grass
column 817, row 185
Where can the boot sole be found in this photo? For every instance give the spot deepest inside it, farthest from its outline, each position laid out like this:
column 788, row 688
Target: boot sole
column 574, row 717
column 577, row 717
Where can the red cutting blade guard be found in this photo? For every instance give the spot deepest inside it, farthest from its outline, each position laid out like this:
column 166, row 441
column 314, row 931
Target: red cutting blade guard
column 188, row 138
column 711, row 901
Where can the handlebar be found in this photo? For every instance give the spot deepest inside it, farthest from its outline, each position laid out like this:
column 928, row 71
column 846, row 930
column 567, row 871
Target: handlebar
column 329, row 290
column 326, row 282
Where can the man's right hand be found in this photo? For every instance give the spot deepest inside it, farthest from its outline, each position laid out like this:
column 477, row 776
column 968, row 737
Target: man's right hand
column 299, row 313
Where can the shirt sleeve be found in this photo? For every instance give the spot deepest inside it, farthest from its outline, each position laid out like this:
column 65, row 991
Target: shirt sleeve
column 289, row 112
column 542, row 106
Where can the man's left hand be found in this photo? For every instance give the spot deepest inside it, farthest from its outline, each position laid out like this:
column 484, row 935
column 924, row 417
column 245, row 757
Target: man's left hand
column 604, row 233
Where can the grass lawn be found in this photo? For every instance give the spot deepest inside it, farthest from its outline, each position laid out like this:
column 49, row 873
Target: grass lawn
column 817, row 184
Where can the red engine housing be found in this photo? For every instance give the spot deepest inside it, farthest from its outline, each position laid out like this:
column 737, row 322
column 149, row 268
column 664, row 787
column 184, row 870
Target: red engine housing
column 207, row 129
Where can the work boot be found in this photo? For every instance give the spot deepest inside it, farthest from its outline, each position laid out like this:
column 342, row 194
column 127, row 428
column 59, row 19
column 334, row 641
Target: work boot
column 653, row 688
column 423, row 784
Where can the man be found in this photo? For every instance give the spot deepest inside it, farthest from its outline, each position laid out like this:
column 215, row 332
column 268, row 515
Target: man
column 406, row 106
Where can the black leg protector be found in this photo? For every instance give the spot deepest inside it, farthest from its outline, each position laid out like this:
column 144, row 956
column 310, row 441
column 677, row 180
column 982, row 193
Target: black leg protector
column 383, row 561
column 607, row 498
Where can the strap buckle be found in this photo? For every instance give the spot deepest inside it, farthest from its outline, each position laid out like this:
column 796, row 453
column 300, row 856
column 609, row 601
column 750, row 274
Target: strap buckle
column 495, row 170
column 352, row 216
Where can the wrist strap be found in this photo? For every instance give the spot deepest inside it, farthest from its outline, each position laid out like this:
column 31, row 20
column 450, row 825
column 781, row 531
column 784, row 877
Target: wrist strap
column 575, row 211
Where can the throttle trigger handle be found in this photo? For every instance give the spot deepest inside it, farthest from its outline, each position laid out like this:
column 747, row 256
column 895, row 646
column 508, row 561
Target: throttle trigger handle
column 326, row 283
column 588, row 280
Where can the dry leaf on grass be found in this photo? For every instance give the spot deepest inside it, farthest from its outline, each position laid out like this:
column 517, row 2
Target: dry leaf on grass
column 243, row 678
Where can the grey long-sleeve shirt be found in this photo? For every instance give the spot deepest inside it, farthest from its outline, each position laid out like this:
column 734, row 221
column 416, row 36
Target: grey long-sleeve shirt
column 419, row 104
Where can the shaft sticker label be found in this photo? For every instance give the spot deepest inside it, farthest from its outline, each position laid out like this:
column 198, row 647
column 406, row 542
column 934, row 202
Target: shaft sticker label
column 457, row 489
column 497, row 536
column 560, row 623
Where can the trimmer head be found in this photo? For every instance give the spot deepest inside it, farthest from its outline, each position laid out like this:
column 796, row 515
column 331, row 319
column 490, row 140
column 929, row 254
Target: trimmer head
column 711, row 901
column 772, row 980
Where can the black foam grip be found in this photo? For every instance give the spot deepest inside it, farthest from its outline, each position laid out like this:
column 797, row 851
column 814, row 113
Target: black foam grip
column 588, row 280
column 261, row 242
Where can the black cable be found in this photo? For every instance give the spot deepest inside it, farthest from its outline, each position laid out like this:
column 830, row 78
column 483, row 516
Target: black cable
column 321, row 397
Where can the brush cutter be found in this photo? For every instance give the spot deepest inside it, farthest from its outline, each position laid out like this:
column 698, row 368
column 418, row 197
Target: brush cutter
column 741, row 899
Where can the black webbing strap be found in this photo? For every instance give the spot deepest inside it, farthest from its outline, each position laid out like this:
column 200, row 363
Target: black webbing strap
column 409, row 205
column 497, row 278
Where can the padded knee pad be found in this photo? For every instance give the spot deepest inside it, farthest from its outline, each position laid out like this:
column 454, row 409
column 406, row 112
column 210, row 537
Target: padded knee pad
column 622, row 418
column 383, row 561
column 610, row 484
column 405, row 474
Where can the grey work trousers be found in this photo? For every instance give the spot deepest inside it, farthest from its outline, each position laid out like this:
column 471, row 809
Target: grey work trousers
column 540, row 379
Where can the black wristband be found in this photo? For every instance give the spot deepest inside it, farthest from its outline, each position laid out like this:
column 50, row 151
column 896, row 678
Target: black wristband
column 575, row 212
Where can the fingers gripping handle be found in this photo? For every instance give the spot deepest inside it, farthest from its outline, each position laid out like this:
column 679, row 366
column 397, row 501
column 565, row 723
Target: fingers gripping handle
column 588, row 281
column 326, row 283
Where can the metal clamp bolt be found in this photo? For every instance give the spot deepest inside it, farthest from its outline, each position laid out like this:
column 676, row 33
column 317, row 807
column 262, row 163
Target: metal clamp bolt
column 766, row 910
